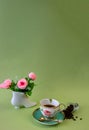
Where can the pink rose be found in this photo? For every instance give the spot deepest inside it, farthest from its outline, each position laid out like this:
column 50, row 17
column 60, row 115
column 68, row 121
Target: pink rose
column 6, row 84
column 32, row 76
column 22, row 83
column 1, row 85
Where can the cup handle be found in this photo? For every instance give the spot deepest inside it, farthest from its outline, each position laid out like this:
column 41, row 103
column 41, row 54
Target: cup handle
column 62, row 106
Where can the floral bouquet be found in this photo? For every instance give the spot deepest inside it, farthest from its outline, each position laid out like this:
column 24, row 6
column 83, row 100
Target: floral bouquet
column 24, row 85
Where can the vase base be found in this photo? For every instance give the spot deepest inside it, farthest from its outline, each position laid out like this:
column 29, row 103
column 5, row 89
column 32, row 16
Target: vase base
column 26, row 105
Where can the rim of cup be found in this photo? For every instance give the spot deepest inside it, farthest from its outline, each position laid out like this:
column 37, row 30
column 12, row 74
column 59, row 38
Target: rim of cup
column 48, row 101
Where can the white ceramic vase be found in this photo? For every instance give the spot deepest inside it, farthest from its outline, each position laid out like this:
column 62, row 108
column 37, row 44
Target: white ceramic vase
column 20, row 99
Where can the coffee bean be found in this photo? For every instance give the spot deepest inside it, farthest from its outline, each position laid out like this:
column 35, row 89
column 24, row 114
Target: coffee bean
column 80, row 118
column 74, row 119
column 68, row 112
column 76, row 116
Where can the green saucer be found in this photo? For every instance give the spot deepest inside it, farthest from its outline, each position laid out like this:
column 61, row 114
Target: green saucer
column 37, row 115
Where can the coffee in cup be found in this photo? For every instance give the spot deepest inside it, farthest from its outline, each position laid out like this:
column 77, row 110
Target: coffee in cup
column 49, row 107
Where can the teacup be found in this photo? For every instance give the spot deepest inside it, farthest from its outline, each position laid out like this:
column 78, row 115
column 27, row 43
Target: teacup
column 49, row 107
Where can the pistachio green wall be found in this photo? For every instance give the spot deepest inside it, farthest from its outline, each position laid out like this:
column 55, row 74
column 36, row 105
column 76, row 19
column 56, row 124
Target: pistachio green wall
column 51, row 38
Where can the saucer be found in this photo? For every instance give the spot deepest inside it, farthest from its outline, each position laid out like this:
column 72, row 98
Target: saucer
column 37, row 115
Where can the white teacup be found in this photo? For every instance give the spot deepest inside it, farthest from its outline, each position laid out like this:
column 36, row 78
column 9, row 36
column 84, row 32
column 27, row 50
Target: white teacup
column 49, row 107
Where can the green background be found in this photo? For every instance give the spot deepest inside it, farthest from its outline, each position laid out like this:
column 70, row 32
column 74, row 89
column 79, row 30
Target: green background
column 50, row 38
